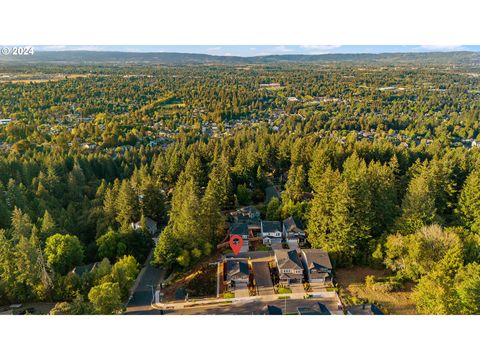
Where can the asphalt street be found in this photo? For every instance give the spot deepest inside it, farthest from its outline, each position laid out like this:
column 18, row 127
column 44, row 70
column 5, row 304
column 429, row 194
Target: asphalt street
column 255, row 307
column 142, row 296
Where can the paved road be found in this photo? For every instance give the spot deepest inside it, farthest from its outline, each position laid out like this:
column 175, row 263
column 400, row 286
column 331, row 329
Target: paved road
column 255, row 307
column 142, row 296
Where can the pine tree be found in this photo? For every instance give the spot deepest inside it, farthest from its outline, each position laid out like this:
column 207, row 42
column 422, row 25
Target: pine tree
column 418, row 206
column 48, row 227
column 329, row 222
column 8, row 266
column 31, row 268
column 212, row 219
column 109, row 208
column 295, row 186
column 128, row 207
column 469, row 203
column 21, row 225
column 357, row 177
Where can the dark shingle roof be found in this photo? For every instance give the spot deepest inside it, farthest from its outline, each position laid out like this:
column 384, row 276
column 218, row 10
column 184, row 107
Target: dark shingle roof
column 84, row 269
column 365, row 309
column 293, row 224
column 239, row 229
column 317, row 258
column 235, row 267
column 274, row 310
column 322, row 310
column 271, row 226
column 288, row 259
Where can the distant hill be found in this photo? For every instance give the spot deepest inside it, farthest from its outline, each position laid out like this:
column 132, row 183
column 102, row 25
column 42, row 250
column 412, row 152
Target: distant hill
column 169, row 58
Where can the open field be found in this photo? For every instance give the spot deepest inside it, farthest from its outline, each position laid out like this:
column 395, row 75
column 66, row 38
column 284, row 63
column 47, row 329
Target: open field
column 38, row 78
column 352, row 282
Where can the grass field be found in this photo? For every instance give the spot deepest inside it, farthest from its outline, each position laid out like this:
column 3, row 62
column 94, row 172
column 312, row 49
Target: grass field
column 352, row 283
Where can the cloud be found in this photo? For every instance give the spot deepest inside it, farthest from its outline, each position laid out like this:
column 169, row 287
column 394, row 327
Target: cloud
column 281, row 49
column 319, row 49
column 440, row 48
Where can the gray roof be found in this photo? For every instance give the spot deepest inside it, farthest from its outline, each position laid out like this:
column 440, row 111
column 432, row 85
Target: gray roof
column 321, row 310
column 84, row 269
column 271, row 226
column 239, row 229
column 317, row 258
column 288, row 259
column 237, row 269
column 274, row 310
column 293, row 224
column 364, row 309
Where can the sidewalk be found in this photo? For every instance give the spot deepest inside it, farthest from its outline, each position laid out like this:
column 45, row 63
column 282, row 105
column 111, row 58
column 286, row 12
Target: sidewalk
column 174, row 305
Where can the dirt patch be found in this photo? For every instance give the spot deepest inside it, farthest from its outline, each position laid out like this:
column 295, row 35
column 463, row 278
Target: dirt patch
column 201, row 281
column 352, row 283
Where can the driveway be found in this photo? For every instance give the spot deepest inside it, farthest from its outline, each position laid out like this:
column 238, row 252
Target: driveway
column 277, row 246
column 263, row 280
column 241, row 292
column 293, row 245
column 297, row 288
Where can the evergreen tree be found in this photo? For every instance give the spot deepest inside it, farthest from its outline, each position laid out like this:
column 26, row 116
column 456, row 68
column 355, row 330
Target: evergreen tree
column 128, row 207
column 418, row 207
column 329, row 222
column 21, row 225
column 435, row 292
column 295, row 186
column 469, row 203
column 48, row 227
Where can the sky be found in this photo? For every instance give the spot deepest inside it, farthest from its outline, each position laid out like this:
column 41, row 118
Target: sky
column 259, row 50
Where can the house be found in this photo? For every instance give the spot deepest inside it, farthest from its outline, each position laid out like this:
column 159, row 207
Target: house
column 84, row 269
column 237, row 274
column 151, row 225
column 319, row 309
column 293, row 230
column 270, row 193
column 290, row 268
column 271, row 232
column 5, row 121
column 240, row 229
column 318, row 268
column 364, row 309
column 249, row 215
column 274, row 310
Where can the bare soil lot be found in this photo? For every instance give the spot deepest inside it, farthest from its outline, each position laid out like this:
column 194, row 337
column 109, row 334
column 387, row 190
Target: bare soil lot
column 352, row 282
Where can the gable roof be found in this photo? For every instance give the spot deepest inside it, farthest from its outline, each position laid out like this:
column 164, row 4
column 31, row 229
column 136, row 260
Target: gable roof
column 239, row 229
column 84, row 269
column 317, row 259
column 271, row 226
column 322, row 310
column 364, row 309
column 274, row 310
column 236, row 267
column 293, row 224
column 288, row 259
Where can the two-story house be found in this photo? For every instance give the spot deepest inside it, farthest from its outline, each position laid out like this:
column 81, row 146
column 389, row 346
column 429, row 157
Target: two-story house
column 289, row 266
column 293, row 231
column 271, row 232
column 237, row 274
column 240, row 229
column 248, row 215
column 318, row 268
